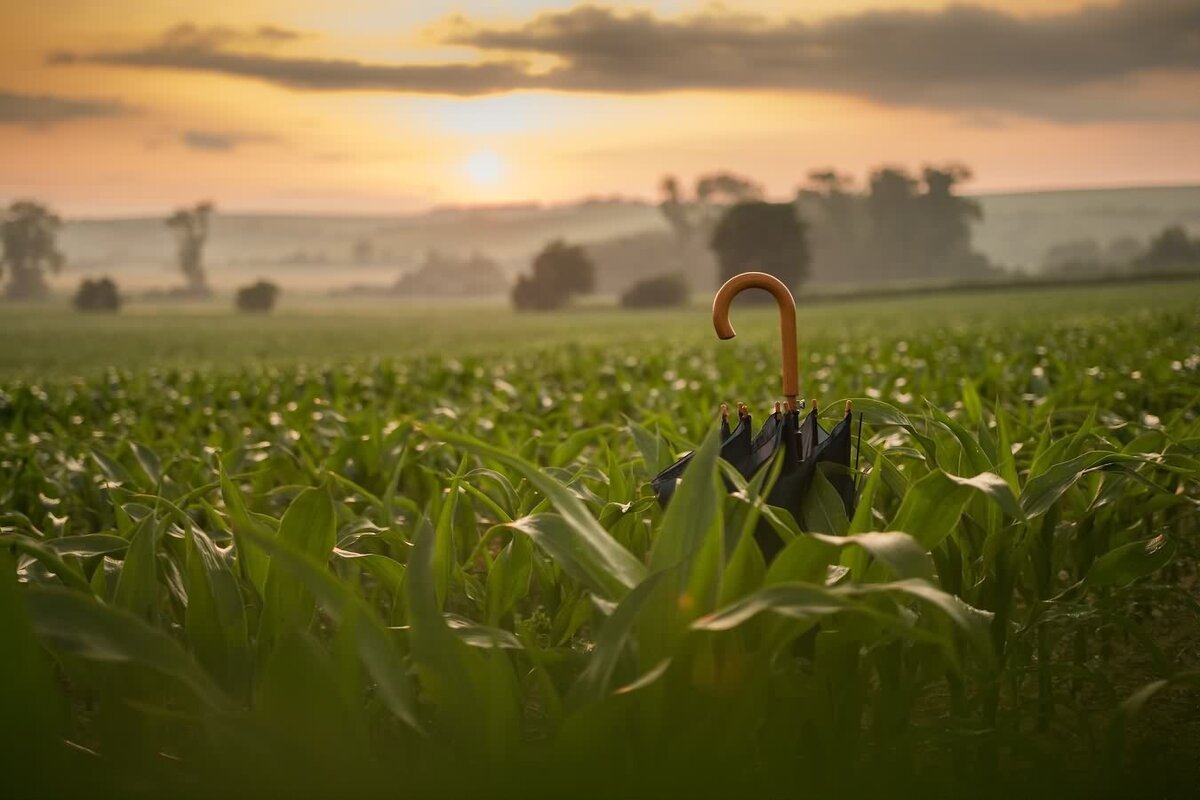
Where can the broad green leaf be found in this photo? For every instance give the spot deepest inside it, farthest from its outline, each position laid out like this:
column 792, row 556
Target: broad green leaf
column 931, row 509
column 805, row 602
column 508, row 579
column 88, row 545
column 251, row 559
column 595, row 680
column 215, row 618
column 1042, row 491
column 1124, row 564
column 74, row 624
column 41, row 552
column 137, row 588
column 376, row 647
column 584, row 543
column 309, row 527
column 692, row 511
column 603, row 566
column 824, row 511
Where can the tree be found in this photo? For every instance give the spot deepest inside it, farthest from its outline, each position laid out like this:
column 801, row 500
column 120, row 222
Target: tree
column 29, row 231
column 944, row 234
column 444, row 275
column 662, row 291
column 1171, row 248
column 763, row 237
column 560, row 271
column 191, row 232
column 257, row 297
column 692, row 220
column 98, row 295
column 901, row 227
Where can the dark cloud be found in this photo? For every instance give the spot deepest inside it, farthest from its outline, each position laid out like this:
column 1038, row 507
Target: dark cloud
column 44, row 110
column 1090, row 63
column 221, row 141
column 214, row 49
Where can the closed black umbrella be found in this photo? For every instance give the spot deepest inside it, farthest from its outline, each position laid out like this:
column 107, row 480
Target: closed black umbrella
column 803, row 442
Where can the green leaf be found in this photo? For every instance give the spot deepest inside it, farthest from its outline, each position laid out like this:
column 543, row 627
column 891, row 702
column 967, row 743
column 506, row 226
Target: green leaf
column 931, row 509
column 508, row 579
column 376, row 647
column 602, row 565
column 35, row 722
column 309, row 527
column 39, row 551
column 693, row 509
column 215, row 618
column 1125, row 564
column 824, row 511
column 1044, row 490
column 474, row 692
column 88, row 545
column 593, row 683
column 573, row 536
column 137, row 588
column 251, row 559
column 807, row 558
column 71, row 623
column 805, row 602
column 997, row 489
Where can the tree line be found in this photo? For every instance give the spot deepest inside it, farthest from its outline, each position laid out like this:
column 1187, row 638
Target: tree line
column 29, row 235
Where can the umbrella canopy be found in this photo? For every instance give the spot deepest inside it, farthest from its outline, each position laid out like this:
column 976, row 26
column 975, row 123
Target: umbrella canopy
column 804, row 443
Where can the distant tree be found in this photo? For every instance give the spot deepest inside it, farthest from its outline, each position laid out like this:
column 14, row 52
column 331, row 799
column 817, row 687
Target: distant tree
column 98, row 295
column 835, row 213
column 944, row 232
column 29, row 231
column 560, row 271
column 692, row 219
column 902, row 226
column 892, row 249
column 443, row 275
column 1124, row 251
column 1076, row 256
column 1171, row 248
column 191, row 232
column 763, row 237
column 662, row 291
column 363, row 251
column 257, row 297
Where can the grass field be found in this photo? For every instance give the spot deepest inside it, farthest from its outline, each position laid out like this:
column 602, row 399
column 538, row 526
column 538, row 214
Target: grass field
column 412, row 552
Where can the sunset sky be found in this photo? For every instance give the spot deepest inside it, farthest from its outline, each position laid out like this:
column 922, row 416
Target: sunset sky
column 128, row 107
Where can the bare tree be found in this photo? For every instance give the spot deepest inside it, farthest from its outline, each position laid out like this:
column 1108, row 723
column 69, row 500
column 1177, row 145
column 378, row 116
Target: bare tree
column 28, row 231
column 191, row 232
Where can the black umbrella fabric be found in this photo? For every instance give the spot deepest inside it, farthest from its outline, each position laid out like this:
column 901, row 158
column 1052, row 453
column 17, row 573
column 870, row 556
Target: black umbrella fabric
column 804, row 443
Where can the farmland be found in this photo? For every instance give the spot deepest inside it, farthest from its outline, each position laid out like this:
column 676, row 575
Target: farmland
column 411, row 550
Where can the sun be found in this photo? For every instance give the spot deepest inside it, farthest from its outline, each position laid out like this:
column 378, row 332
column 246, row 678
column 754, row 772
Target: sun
column 484, row 168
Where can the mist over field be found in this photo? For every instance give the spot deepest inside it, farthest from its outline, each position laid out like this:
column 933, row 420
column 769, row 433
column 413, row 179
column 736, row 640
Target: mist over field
column 315, row 254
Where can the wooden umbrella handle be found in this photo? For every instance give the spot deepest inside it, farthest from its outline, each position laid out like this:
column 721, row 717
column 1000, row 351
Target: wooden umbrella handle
column 787, row 322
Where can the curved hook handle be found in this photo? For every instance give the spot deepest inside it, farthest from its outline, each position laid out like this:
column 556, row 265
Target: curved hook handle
column 787, row 322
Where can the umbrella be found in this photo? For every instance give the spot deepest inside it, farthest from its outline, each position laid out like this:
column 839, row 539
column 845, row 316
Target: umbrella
column 803, row 442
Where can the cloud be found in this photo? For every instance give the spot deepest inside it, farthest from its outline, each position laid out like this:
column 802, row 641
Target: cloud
column 41, row 111
column 221, row 141
column 1092, row 63
column 186, row 47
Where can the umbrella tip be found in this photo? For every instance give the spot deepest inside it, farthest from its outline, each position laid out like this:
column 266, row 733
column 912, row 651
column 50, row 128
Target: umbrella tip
column 724, row 411
column 849, row 406
column 743, row 410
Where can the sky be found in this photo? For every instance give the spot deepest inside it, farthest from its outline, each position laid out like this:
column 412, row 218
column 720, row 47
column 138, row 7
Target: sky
column 133, row 107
